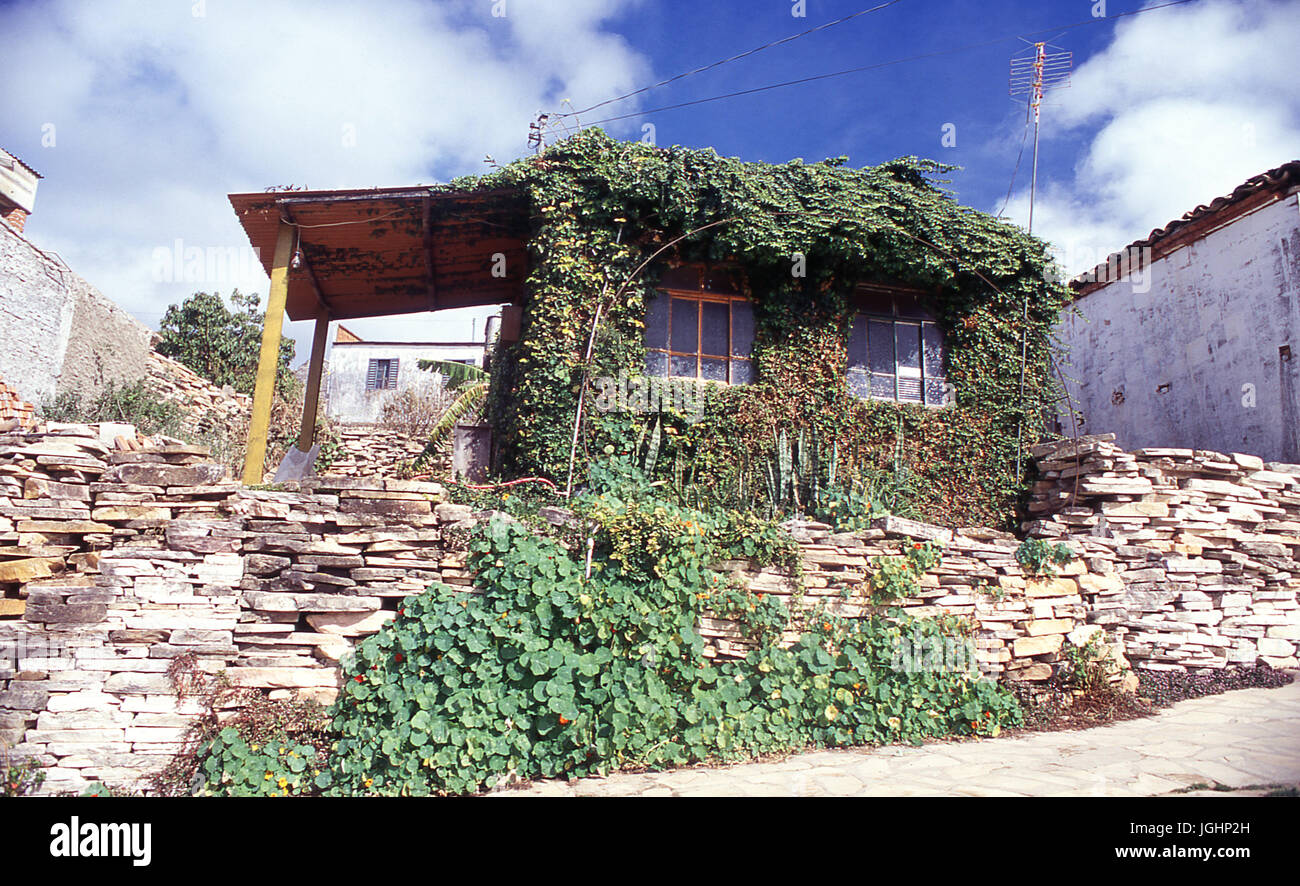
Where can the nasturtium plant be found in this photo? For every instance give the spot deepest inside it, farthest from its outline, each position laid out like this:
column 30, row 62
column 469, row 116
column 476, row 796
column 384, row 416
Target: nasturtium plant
column 233, row 766
column 545, row 670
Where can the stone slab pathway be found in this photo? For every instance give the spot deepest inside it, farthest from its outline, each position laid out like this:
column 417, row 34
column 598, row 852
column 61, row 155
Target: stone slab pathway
column 1239, row 739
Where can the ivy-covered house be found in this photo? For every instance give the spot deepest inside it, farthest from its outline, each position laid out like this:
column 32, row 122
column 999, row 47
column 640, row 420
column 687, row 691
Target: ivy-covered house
column 739, row 330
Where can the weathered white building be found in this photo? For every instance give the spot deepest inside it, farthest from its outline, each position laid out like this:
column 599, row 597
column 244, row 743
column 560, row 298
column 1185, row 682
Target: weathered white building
column 362, row 375
column 1192, row 338
column 57, row 332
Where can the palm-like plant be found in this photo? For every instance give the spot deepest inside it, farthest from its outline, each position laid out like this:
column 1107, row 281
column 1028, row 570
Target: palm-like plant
column 469, row 383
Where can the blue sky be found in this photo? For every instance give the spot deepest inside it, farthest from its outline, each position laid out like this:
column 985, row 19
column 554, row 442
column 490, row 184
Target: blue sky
column 142, row 116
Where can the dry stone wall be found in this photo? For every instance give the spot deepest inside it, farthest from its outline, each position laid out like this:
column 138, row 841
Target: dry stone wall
column 204, row 407
column 118, row 558
column 370, row 450
column 1206, row 545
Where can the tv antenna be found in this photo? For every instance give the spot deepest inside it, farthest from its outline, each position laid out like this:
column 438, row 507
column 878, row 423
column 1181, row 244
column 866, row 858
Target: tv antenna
column 1033, row 73
column 1038, row 69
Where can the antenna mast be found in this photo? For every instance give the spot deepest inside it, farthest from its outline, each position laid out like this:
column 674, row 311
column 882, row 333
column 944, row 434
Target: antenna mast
column 1032, row 74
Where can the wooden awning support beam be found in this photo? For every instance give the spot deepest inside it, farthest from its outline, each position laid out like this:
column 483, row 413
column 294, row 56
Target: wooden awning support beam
column 311, row 399
column 268, row 360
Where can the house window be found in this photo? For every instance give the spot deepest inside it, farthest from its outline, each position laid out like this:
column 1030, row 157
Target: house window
column 697, row 328
column 382, row 375
column 896, row 350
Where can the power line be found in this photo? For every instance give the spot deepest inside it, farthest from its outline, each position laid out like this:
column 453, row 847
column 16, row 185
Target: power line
column 878, row 65
column 746, row 54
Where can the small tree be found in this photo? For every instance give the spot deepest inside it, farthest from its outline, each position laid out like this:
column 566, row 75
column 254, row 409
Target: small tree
column 468, row 384
column 218, row 343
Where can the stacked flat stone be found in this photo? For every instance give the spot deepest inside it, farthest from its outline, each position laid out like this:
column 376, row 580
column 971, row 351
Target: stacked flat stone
column 375, row 450
column 1206, row 544
column 133, row 558
column 119, row 556
column 1019, row 622
column 205, row 407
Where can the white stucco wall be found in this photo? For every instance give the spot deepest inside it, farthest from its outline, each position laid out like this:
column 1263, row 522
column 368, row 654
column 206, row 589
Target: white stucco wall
column 1209, row 326
column 350, row 403
column 57, row 332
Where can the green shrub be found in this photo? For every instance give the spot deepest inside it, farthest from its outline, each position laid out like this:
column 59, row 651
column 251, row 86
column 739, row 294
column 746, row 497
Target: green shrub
column 546, row 672
column 19, row 778
column 135, row 403
column 235, row 767
column 1037, row 557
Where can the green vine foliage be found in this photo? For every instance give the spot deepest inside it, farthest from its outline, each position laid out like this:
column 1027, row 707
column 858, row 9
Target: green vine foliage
column 602, row 207
column 1038, row 557
column 546, row 671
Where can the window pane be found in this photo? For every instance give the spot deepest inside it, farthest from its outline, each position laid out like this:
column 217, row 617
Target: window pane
column 877, row 303
column 910, row 306
column 656, row 322
column 742, row 372
column 686, row 322
column 882, row 386
column 880, row 346
column 685, row 277
column 656, row 364
column 683, row 367
column 909, row 389
column 719, row 281
column 858, row 343
column 714, row 331
column 909, row 346
column 713, row 370
column 932, row 339
column 859, row 383
column 742, row 329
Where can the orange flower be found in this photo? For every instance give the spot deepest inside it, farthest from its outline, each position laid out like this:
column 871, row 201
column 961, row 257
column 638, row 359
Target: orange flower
column 564, row 721
column 917, row 545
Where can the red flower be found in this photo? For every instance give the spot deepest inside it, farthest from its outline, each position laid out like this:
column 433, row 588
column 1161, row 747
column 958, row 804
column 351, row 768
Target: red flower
column 359, row 678
column 917, row 545
column 564, row 721
column 401, row 610
column 398, row 657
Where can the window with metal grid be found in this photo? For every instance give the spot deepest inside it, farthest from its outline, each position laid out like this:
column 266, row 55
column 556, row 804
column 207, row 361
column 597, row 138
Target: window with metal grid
column 698, row 327
column 896, row 349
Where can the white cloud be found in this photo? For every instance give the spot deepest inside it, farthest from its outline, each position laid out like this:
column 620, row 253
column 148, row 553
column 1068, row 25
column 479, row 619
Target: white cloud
column 159, row 113
column 1185, row 104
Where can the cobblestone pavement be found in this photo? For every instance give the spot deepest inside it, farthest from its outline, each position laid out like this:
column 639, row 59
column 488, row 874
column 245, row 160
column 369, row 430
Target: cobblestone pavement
column 1240, row 739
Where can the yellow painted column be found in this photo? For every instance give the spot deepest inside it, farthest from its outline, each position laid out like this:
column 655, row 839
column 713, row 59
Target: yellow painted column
column 268, row 360
column 311, row 399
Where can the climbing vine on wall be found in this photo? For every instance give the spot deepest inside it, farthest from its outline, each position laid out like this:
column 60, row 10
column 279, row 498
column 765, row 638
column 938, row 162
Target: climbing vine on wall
column 601, row 207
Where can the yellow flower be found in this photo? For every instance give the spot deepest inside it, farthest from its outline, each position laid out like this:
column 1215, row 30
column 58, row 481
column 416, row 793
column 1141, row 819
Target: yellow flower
column 370, row 782
column 268, row 777
column 894, row 722
column 282, row 782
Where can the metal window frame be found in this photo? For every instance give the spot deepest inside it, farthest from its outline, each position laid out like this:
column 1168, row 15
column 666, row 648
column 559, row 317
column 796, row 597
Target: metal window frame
column 895, row 320
column 700, row 299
